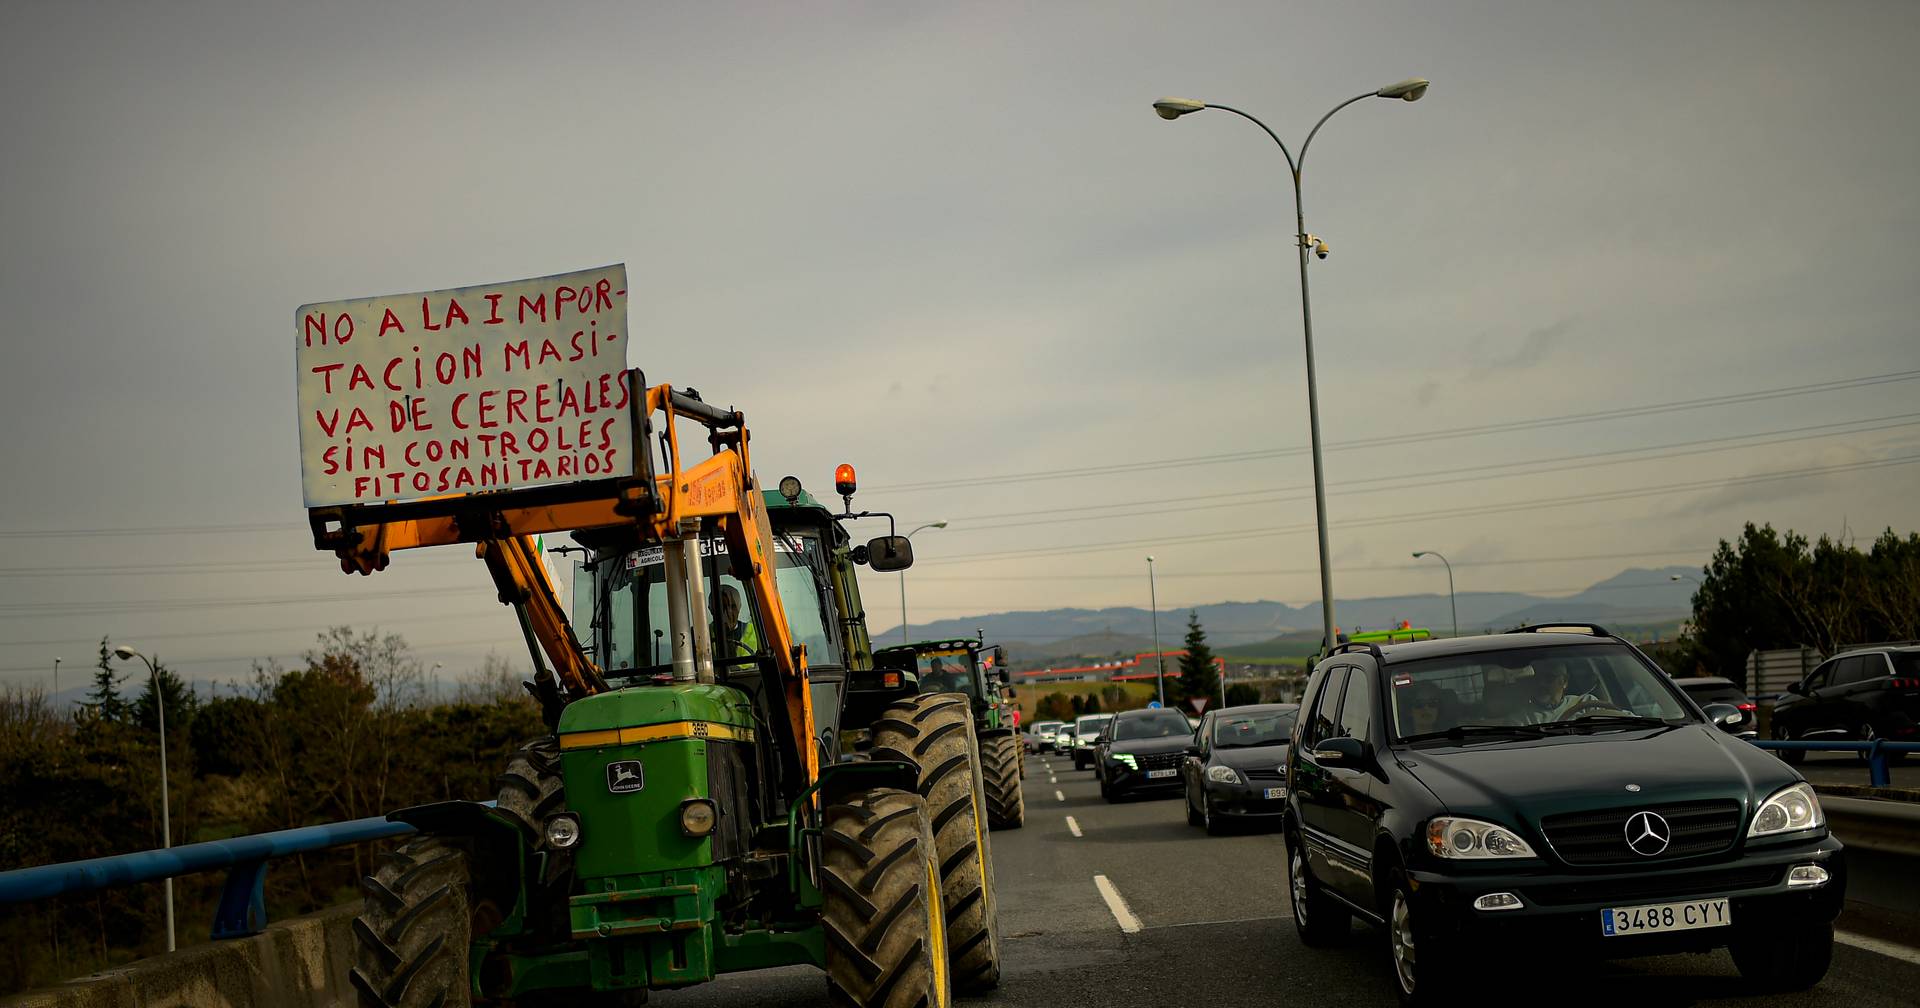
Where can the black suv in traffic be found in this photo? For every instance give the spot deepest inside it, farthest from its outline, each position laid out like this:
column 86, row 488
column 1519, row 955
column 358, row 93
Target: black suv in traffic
column 1140, row 751
column 1551, row 786
column 1873, row 693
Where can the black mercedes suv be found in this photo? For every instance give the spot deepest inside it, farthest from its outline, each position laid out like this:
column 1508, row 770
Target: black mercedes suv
column 1478, row 795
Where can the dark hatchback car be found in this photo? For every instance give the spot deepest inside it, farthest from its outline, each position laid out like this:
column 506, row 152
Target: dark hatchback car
column 1546, row 788
column 1236, row 766
column 1858, row 696
column 1714, row 690
column 1140, row 751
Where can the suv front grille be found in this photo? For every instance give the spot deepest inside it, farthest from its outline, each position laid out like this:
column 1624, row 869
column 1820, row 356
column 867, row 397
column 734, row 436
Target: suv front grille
column 1160, row 761
column 1594, row 838
column 1634, row 890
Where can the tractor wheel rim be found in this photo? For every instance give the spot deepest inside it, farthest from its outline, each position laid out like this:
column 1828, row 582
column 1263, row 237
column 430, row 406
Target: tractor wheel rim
column 1403, row 961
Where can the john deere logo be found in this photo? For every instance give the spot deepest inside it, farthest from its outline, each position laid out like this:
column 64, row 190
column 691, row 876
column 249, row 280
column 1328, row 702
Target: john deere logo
column 626, row 776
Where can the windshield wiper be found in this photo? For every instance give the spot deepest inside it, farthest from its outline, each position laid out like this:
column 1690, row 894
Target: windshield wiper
column 1478, row 730
column 1608, row 721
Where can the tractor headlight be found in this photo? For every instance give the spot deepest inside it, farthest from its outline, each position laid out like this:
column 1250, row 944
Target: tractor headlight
column 563, row 830
column 697, row 817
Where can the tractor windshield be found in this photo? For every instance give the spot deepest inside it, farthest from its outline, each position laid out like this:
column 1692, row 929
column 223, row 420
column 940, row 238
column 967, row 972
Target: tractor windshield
column 947, row 671
column 630, row 620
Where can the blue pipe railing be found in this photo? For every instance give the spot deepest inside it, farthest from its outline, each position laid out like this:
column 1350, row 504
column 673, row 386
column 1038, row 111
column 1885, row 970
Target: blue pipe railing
column 243, row 903
column 1876, row 751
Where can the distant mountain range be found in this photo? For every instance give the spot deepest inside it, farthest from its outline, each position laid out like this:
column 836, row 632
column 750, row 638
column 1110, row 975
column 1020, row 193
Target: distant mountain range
column 1634, row 596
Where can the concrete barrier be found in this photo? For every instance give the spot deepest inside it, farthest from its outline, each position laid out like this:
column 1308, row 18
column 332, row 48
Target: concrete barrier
column 297, row 963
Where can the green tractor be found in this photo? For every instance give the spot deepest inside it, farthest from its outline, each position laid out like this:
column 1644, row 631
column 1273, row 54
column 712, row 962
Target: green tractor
column 967, row 667
column 693, row 811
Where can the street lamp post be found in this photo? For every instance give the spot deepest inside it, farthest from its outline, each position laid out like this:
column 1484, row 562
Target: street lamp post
column 903, row 584
column 1406, row 90
column 1450, row 603
column 1160, row 660
column 166, row 819
column 56, row 685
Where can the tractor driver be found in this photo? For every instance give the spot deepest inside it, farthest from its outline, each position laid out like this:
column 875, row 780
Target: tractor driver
column 943, row 678
column 732, row 637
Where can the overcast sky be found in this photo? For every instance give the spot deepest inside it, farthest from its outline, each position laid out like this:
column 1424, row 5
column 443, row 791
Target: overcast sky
column 951, row 243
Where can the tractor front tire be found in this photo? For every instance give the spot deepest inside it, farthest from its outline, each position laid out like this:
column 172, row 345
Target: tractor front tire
column 881, row 912
column 934, row 732
column 414, row 929
column 530, row 790
column 1006, row 795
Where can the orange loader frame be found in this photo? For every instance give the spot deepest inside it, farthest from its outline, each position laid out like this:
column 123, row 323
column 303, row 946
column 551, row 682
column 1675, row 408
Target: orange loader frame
column 719, row 494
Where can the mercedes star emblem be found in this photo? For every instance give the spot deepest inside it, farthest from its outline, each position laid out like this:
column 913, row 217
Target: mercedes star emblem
column 1648, row 834
column 1633, row 787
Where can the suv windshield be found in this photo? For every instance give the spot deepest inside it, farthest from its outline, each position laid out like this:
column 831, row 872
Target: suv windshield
column 1593, row 683
column 1262, row 729
column 1087, row 728
column 1159, row 724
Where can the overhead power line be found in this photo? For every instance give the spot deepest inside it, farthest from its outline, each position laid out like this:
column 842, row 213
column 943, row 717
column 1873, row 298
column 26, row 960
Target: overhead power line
column 1444, row 513
column 1412, row 481
column 1271, row 572
column 1416, row 437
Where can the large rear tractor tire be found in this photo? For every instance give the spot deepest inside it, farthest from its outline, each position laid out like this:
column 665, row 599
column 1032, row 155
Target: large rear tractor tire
column 414, row 929
column 1006, row 795
column 934, row 732
column 884, row 923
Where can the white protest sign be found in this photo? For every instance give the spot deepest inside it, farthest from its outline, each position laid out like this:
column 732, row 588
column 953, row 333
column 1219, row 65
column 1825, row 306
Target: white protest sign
column 453, row 391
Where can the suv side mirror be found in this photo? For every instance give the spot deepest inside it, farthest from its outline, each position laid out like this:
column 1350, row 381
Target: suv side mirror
column 1799, row 689
column 1724, row 716
column 1194, row 751
column 1341, row 751
column 890, row 553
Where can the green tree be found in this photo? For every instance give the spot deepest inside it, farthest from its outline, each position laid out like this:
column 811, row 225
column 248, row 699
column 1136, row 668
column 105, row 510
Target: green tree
column 105, row 697
column 1077, row 704
column 1093, row 704
column 1242, row 693
column 181, row 701
column 1198, row 676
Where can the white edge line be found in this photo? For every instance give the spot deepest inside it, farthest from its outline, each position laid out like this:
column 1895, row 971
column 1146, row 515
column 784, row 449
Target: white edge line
column 1129, row 924
column 1073, row 827
column 1885, row 948
column 1059, row 795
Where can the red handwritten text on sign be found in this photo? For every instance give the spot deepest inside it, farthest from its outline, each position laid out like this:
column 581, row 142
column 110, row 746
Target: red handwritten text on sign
column 478, row 388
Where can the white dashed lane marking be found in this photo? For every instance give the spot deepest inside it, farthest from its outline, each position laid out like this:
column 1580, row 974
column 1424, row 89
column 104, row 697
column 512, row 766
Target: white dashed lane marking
column 1073, row 827
column 1059, row 795
column 1121, row 914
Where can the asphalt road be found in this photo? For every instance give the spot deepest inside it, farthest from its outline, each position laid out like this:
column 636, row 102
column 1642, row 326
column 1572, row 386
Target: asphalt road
column 1213, row 929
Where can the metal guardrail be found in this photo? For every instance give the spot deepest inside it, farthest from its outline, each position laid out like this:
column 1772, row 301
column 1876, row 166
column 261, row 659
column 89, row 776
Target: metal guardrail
column 1877, row 753
column 243, row 903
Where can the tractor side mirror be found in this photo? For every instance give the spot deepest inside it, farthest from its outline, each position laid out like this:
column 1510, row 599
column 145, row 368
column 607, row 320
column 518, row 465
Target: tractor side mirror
column 890, row 553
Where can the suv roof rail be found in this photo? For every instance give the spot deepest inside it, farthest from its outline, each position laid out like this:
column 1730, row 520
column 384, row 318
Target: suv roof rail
column 1593, row 629
column 1367, row 646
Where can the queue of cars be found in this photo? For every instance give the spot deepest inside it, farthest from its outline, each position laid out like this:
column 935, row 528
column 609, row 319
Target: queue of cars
column 1548, row 788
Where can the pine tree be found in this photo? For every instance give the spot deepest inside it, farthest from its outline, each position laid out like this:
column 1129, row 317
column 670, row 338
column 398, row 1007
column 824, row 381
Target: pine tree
column 181, row 703
column 1198, row 677
column 1093, row 704
column 105, row 698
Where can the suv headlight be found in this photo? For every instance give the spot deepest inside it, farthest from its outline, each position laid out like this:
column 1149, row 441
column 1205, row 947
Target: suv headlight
column 1471, row 839
column 1790, row 810
column 1125, row 759
column 1223, row 775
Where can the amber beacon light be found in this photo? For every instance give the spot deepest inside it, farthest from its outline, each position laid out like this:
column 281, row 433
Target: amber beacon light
column 844, row 482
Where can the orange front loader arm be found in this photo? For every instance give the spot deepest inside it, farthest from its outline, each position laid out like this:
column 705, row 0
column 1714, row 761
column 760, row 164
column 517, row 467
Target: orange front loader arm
column 661, row 508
